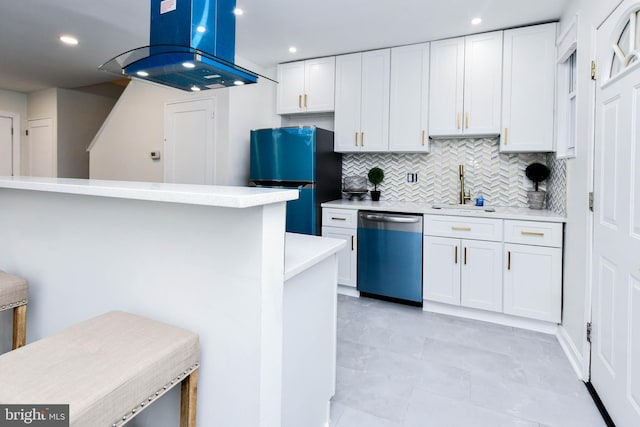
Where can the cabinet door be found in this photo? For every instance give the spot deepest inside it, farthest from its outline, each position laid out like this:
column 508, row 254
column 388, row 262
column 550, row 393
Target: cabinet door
column 441, row 270
column 347, row 105
column 446, row 77
column 374, row 116
column 481, row 275
column 319, row 93
column 409, row 93
column 290, row 87
column 533, row 282
column 482, row 84
column 348, row 256
column 528, row 89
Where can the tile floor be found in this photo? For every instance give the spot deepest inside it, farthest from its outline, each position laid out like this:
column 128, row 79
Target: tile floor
column 401, row 367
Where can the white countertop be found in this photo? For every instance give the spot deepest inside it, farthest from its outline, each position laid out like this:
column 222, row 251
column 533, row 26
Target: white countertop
column 302, row 251
column 208, row 195
column 524, row 214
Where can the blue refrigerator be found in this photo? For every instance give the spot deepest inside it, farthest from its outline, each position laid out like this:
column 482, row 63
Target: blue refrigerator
column 301, row 158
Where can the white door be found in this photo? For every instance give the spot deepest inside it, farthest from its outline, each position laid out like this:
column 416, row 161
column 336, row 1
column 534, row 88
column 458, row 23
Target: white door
column 189, row 142
column 291, row 87
column 374, row 110
column 6, row 146
column 347, row 257
column 481, row 275
column 348, row 97
column 319, row 84
column 615, row 346
column 446, row 86
column 441, row 276
column 40, row 149
column 409, row 92
column 483, row 83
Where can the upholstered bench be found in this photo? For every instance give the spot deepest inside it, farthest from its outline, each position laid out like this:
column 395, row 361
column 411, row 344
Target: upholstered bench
column 108, row 369
column 14, row 294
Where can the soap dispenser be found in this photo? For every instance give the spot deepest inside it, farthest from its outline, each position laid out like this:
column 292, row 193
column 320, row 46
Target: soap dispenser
column 479, row 199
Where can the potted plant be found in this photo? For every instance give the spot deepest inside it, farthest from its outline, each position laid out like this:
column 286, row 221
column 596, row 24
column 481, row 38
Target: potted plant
column 536, row 172
column 376, row 175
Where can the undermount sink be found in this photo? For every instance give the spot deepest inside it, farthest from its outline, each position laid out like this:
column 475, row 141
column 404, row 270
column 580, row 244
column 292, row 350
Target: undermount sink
column 464, row 207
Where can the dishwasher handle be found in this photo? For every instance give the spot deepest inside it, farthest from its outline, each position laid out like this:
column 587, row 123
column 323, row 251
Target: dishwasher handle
column 395, row 219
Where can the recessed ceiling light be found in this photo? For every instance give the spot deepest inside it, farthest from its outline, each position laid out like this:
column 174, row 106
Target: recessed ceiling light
column 238, row 83
column 476, row 21
column 142, row 74
column 293, row 49
column 201, row 28
column 188, row 65
column 69, row 40
column 237, row 11
column 195, row 88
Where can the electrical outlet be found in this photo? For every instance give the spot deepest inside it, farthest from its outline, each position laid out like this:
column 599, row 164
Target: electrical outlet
column 412, row 177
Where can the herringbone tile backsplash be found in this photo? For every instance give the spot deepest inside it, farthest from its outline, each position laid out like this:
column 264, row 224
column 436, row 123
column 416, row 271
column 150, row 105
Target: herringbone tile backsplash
column 500, row 177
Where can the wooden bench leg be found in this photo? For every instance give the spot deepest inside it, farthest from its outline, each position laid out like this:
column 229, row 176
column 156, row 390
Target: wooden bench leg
column 188, row 400
column 19, row 326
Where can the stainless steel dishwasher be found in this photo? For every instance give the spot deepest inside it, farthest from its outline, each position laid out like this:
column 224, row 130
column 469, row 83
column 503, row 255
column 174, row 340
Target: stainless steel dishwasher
column 390, row 255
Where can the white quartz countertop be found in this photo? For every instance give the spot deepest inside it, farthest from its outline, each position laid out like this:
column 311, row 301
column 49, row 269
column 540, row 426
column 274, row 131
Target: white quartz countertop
column 302, row 251
column 208, row 195
column 523, row 214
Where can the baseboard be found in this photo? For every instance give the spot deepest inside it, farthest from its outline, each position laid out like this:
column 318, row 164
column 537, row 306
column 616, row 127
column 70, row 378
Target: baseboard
column 348, row 291
column 572, row 353
column 492, row 317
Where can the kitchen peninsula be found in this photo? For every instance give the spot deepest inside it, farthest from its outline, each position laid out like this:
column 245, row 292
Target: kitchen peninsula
column 214, row 260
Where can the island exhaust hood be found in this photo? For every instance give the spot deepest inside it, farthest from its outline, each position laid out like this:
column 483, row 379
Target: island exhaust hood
column 192, row 47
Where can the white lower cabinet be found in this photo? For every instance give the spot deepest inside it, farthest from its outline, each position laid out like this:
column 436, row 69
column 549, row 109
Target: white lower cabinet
column 463, row 272
column 533, row 282
column 342, row 224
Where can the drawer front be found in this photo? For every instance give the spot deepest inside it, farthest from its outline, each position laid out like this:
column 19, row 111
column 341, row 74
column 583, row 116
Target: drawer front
column 533, row 233
column 345, row 218
column 463, row 227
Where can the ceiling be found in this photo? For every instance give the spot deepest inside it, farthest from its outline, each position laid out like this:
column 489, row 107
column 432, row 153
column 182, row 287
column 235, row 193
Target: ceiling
column 32, row 57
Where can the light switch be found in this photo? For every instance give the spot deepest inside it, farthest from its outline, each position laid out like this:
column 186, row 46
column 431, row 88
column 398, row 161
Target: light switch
column 155, row 155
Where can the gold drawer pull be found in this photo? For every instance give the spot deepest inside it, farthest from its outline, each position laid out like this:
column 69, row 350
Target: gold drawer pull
column 356, row 139
column 456, row 228
column 509, row 260
column 506, row 136
column 423, row 138
column 531, row 233
column 466, row 120
column 456, row 256
column 305, row 100
column 299, row 101
column 458, row 120
column 353, row 248
column 336, row 218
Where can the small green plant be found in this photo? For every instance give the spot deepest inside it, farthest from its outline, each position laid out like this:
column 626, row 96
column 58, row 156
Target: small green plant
column 376, row 176
column 537, row 172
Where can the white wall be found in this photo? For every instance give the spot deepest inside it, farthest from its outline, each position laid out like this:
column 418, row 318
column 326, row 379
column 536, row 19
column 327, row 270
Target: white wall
column 134, row 128
column 577, row 260
column 80, row 115
column 16, row 103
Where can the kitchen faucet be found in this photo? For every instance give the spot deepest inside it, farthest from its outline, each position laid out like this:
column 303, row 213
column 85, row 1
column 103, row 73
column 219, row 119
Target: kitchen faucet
column 463, row 196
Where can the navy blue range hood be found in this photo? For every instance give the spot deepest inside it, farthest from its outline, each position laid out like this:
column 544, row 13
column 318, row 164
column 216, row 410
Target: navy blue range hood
column 192, row 47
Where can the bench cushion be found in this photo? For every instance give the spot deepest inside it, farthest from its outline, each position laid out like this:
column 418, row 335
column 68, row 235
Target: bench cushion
column 13, row 291
column 104, row 368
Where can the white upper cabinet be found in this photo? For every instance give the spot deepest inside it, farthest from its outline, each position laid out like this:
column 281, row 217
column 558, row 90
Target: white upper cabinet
column 306, row 86
column 465, row 85
column 528, row 89
column 362, row 102
column 409, row 93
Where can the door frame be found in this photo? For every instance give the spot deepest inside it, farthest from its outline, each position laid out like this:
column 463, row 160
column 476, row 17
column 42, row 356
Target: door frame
column 15, row 140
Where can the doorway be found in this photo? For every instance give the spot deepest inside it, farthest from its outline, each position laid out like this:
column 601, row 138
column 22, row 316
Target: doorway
column 189, row 142
column 615, row 345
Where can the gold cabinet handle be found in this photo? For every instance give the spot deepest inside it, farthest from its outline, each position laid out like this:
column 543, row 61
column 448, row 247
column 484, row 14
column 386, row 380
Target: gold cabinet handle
column 506, row 136
column 299, row 101
column 465, row 256
column 305, row 100
column 356, row 139
column 337, row 218
column 353, row 243
column 423, row 132
column 531, row 233
column 458, row 120
column 457, row 228
column 509, row 260
column 362, row 139
column 456, row 256
column 466, row 120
